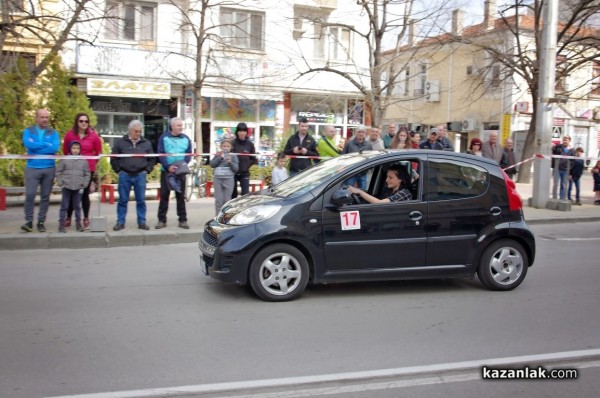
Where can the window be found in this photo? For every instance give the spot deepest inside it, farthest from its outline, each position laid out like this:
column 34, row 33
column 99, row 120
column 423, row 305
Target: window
column 420, row 79
column 455, row 180
column 10, row 59
column 595, row 78
column 495, row 76
column 242, row 28
column 131, row 21
column 332, row 43
column 12, row 6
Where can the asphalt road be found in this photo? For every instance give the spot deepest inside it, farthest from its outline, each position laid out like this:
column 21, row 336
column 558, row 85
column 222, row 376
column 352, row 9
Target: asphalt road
column 119, row 319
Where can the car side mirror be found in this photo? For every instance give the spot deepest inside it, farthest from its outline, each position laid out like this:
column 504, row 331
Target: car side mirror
column 342, row 197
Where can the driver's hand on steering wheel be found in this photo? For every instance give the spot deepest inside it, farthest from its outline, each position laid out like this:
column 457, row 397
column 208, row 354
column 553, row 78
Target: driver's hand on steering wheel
column 354, row 190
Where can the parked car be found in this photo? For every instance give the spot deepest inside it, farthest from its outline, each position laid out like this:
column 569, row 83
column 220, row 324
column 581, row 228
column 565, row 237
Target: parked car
column 465, row 218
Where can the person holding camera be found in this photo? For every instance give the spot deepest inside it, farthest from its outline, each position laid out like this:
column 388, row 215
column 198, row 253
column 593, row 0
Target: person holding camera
column 225, row 166
column 301, row 144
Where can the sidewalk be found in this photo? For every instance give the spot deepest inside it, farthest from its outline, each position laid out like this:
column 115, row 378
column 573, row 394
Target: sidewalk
column 199, row 211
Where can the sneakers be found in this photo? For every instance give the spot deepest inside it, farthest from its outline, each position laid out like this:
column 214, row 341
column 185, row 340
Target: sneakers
column 79, row 227
column 27, row 227
column 145, row 227
column 62, row 229
column 118, row 227
column 578, row 203
column 67, row 223
column 86, row 223
column 184, row 225
column 160, row 225
column 41, row 227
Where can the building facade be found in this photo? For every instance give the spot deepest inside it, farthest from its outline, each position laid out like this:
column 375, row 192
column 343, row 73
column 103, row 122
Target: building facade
column 142, row 62
column 452, row 80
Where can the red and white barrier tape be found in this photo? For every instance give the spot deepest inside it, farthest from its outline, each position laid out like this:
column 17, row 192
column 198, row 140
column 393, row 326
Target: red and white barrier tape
column 96, row 157
column 540, row 156
column 142, row 155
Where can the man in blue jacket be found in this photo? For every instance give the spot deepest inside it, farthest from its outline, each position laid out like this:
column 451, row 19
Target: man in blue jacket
column 173, row 142
column 39, row 139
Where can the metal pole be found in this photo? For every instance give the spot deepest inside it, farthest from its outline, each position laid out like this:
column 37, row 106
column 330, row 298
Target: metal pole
column 541, row 176
column 99, row 172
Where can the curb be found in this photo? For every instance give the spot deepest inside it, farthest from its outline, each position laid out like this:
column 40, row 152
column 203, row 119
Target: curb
column 56, row 240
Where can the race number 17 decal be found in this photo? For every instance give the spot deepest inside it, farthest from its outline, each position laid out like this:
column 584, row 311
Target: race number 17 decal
column 350, row 220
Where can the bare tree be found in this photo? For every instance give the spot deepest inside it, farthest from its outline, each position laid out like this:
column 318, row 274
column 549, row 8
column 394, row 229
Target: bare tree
column 518, row 53
column 374, row 72
column 220, row 33
column 27, row 23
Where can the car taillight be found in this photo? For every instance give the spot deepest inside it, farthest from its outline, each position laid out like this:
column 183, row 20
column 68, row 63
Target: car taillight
column 514, row 199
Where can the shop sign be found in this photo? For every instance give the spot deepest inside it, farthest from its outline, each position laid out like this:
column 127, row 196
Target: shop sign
column 317, row 117
column 506, row 122
column 128, row 88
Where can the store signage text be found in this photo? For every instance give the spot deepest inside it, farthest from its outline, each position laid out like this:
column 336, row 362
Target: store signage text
column 128, row 88
column 317, row 117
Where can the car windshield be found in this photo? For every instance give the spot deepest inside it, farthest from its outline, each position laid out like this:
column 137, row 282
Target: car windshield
column 310, row 178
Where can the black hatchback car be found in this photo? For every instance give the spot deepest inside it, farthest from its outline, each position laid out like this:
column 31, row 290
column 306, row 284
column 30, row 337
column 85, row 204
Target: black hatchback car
column 465, row 217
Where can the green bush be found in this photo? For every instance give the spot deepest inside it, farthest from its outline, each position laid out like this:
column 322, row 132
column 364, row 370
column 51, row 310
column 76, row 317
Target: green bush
column 154, row 176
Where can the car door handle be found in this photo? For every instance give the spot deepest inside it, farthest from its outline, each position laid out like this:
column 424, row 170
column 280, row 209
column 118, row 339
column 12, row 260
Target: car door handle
column 495, row 211
column 415, row 215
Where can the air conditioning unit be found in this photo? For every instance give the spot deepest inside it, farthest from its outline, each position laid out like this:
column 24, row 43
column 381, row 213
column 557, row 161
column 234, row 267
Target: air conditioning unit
column 432, row 91
column 469, row 125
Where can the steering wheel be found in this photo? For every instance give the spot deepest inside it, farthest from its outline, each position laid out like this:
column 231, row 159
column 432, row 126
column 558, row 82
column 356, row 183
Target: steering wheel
column 355, row 197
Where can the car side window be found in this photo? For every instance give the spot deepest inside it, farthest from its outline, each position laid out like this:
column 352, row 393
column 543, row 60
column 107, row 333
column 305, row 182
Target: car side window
column 455, row 180
column 412, row 166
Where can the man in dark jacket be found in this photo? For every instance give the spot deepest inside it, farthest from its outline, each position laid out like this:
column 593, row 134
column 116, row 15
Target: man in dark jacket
column 132, row 171
column 358, row 144
column 301, row 144
column 508, row 159
column 575, row 176
column 245, row 150
column 561, row 167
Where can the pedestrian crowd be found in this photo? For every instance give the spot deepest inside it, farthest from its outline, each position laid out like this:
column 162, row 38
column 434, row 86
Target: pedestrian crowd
column 76, row 176
column 231, row 165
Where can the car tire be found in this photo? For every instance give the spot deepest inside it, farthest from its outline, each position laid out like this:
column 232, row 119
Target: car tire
column 503, row 265
column 279, row 273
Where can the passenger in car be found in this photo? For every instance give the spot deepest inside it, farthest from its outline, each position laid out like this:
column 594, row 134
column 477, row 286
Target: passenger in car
column 397, row 181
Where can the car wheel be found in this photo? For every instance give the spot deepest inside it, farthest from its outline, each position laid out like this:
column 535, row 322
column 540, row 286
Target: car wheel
column 279, row 273
column 503, row 265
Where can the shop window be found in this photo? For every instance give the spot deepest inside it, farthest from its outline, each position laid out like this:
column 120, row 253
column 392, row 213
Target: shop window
column 242, row 28
column 112, row 126
column 130, row 21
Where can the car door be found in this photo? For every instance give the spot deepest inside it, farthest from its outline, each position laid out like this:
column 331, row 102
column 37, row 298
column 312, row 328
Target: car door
column 461, row 207
column 365, row 237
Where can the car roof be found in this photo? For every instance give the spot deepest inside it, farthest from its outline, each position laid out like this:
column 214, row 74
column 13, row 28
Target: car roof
column 383, row 153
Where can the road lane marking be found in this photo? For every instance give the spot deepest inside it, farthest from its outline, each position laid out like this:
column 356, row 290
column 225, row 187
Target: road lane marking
column 568, row 239
column 367, row 380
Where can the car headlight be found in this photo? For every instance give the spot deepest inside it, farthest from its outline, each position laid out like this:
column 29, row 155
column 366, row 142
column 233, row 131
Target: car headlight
column 254, row 214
